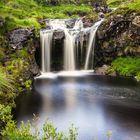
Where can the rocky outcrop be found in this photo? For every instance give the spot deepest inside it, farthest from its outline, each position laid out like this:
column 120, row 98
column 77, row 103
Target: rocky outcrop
column 119, row 35
column 58, row 35
column 18, row 37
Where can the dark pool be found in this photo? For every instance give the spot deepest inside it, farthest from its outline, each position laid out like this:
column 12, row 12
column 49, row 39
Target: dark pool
column 94, row 104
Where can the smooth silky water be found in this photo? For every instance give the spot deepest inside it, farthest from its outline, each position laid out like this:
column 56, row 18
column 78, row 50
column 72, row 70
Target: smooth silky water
column 94, row 104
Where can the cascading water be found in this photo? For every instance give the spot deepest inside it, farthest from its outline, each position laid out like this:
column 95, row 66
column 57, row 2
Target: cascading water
column 73, row 44
column 69, row 46
column 69, row 58
column 91, row 45
column 46, row 43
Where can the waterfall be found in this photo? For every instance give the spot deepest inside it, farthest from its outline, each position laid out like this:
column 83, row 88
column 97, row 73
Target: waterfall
column 91, row 45
column 46, row 43
column 69, row 57
column 73, row 43
column 70, row 46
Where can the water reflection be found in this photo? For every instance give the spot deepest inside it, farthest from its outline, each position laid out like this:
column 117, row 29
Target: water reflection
column 95, row 104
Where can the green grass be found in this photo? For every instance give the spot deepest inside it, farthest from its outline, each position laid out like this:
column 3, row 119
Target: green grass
column 130, row 4
column 6, row 83
column 134, row 5
column 127, row 66
column 115, row 3
column 7, row 89
column 25, row 13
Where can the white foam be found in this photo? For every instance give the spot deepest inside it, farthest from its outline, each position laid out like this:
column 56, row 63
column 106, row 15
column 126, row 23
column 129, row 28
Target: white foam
column 53, row 75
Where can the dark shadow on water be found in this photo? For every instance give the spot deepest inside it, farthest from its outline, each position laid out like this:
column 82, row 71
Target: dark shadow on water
column 27, row 104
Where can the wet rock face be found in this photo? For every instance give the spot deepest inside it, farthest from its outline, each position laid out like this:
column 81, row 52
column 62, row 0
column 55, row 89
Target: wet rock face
column 87, row 22
column 119, row 35
column 18, row 37
column 70, row 23
column 58, row 35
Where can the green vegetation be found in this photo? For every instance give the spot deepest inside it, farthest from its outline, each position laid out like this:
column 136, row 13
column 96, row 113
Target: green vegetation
column 127, row 66
column 115, row 3
column 49, row 132
column 16, row 67
column 5, row 117
column 14, row 64
column 5, row 82
column 24, row 13
column 76, row 2
column 7, row 89
column 135, row 5
column 130, row 4
column 7, row 96
column 8, row 128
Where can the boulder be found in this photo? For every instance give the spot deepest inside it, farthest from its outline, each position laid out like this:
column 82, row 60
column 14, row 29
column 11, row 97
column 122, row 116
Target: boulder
column 101, row 70
column 104, row 71
column 18, row 37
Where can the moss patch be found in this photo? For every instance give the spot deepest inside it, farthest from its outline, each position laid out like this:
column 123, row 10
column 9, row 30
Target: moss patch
column 130, row 4
column 127, row 66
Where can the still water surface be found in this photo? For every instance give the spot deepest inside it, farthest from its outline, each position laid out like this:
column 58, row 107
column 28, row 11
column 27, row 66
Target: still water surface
column 94, row 104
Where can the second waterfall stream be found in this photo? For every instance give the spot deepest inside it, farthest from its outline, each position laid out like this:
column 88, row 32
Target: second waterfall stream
column 74, row 44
